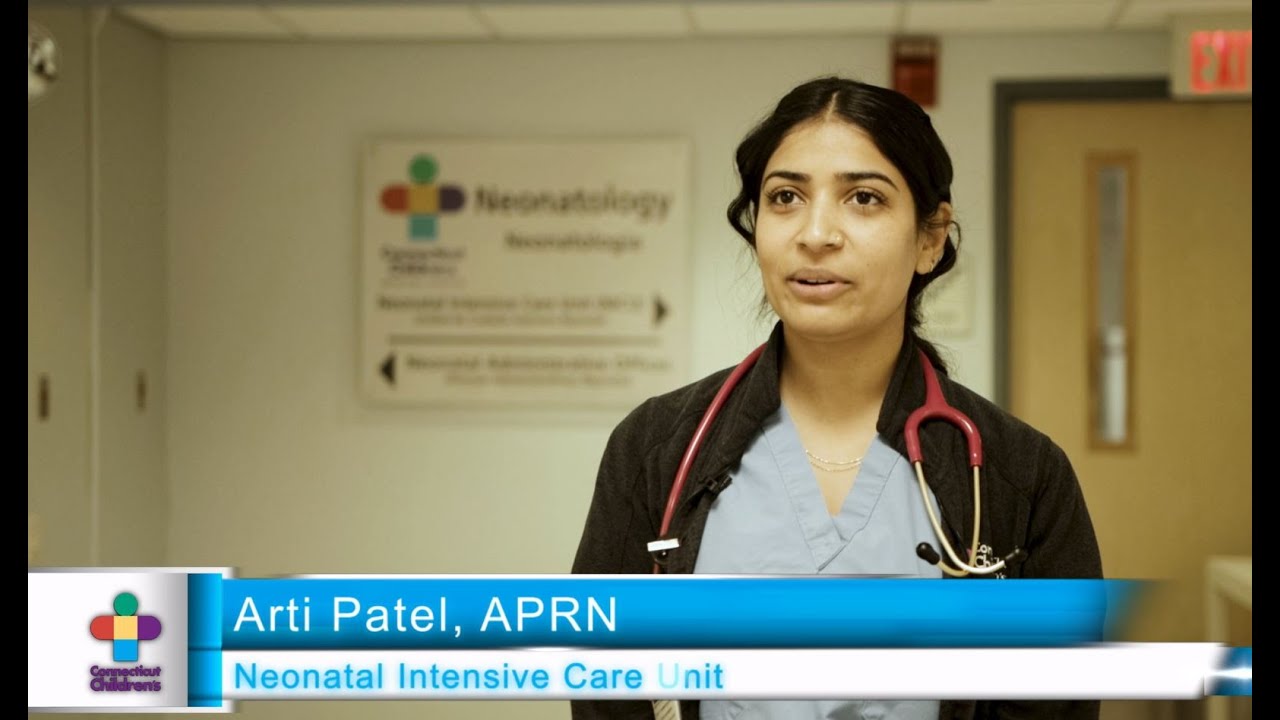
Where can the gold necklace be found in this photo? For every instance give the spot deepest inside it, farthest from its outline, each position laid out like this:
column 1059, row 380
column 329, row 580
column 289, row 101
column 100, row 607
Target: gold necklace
column 832, row 465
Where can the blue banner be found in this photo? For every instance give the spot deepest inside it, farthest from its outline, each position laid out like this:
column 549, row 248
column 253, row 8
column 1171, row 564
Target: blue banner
column 664, row 612
column 1235, row 675
column 204, row 643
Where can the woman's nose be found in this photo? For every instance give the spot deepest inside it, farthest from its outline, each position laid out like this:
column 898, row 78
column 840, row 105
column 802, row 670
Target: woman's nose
column 821, row 229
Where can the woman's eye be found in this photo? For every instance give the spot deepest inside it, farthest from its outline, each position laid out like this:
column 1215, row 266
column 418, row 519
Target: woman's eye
column 784, row 197
column 865, row 197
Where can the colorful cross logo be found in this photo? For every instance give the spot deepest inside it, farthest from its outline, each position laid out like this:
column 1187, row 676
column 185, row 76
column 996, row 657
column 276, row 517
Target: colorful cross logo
column 125, row 628
column 421, row 199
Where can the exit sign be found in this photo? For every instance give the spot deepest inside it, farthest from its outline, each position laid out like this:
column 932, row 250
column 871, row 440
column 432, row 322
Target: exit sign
column 1221, row 61
column 1211, row 57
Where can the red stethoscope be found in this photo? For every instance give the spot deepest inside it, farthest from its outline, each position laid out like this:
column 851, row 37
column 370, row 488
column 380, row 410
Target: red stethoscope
column 935, row 408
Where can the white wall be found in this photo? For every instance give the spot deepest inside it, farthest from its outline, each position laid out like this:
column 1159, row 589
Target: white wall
column 129, row 247
column 58, row 304
column 276, row 467
column 96, row 290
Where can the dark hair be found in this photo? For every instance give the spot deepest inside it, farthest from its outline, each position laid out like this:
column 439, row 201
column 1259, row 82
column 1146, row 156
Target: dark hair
column 900, row 129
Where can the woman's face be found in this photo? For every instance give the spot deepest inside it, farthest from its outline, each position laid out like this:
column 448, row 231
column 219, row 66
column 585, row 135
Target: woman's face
column 836, row 234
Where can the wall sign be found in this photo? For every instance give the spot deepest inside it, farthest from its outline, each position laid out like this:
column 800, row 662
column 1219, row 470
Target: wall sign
column 524, row 274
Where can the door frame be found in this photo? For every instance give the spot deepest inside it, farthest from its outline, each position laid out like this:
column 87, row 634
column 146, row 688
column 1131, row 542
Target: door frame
column 1007, row 95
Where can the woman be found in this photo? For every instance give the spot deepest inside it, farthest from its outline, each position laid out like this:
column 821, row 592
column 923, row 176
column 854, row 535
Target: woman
column 846, row 202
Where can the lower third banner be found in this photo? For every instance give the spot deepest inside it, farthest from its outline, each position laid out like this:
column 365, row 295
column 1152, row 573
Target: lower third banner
column 199, row 639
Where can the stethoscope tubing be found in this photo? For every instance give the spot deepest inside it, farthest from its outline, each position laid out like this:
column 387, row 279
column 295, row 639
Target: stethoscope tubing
column 935, row 407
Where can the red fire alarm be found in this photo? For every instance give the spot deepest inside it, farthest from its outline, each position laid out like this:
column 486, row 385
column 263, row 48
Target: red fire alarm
column 915, row 68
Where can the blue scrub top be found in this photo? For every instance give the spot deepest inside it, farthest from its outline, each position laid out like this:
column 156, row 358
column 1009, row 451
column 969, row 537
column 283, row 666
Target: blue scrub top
column 772, row 520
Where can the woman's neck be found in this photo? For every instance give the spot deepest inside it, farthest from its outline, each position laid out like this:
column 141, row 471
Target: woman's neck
column 838, row 382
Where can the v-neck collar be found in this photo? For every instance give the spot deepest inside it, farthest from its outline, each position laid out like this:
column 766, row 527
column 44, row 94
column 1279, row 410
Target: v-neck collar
column 825, row 535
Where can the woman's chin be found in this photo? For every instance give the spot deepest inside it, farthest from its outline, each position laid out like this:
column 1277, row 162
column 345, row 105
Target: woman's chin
column 820, row 325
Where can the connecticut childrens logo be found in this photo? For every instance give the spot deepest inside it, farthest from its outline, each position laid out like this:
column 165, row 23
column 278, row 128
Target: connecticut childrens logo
column 422, row 199
column 126, row 628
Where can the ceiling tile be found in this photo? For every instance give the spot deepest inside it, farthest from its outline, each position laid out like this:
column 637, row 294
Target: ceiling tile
column 976, row 16
column 385, row 21
column 567, row 20
column 759, row 18
column 434, row 19
column 207, row 20
column 1153, row 14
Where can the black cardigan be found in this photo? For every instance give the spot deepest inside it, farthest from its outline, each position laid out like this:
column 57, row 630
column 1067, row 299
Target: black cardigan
column 1030, row 496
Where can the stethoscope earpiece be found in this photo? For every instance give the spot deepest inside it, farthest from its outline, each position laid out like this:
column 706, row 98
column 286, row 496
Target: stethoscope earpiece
column 925, row 552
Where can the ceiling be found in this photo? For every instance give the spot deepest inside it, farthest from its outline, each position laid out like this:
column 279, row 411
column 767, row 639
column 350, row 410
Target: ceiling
column 517, row 20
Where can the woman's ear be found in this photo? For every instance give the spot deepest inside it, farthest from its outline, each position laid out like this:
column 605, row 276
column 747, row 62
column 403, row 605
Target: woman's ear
column 932, row 239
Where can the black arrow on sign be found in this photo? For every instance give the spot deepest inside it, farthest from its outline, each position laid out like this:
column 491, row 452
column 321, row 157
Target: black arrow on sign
column 659, row 310
column 388, row 369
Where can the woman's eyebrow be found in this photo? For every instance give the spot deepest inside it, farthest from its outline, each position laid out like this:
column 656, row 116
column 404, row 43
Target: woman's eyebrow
column 787, row 175
column 865, row 175
column 847, row 177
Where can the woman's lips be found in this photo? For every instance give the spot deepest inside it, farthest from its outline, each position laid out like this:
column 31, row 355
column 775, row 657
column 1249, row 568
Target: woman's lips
column 817, row 285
